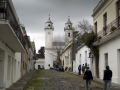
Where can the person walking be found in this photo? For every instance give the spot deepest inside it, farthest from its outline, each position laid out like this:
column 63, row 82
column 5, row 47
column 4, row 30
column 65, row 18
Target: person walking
column 88, row 77
column 83, row 69
column 79, row 70
column 107, row 78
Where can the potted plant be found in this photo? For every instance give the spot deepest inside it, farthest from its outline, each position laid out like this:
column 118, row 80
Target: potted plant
column 98, row 39
column 113, row 28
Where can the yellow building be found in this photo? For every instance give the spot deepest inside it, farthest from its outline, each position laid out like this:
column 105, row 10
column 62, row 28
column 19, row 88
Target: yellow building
column 66, row 56
column 106, row 18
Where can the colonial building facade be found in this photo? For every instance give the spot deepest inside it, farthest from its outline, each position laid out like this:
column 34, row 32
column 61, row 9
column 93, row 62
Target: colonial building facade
column 13, row 46
column 106, row 18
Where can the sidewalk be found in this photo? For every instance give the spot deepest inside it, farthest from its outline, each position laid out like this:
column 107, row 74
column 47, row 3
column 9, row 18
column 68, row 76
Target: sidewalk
column 114, row 85
column 20, row 84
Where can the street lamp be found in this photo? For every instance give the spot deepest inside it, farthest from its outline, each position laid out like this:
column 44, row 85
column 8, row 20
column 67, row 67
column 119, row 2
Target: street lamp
column 91, row 57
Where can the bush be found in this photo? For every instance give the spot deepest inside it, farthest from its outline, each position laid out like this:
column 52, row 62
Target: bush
column 98, row 38
column 113, row 28
column 89, row 40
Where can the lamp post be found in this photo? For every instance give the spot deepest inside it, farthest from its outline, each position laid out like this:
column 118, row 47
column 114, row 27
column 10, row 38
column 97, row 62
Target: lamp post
column 91, row 56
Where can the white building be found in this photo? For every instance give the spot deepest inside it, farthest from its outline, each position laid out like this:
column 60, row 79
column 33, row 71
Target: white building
column 82, row 57
column 40, row 62
column 106, row 15
column 31, row 54
column 11, row 45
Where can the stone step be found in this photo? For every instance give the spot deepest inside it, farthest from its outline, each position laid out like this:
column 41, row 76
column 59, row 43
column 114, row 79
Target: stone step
column 15, row 88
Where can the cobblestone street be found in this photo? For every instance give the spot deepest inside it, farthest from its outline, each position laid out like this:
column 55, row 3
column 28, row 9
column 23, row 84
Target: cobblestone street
column 55, row 80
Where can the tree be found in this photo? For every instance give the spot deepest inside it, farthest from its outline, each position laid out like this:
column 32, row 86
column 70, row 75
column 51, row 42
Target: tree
column 57, row 47
column 41, row 52
column 84, row 26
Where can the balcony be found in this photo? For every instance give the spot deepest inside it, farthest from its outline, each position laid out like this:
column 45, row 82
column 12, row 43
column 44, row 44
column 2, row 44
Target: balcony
column 108, row 32
column 10, row 30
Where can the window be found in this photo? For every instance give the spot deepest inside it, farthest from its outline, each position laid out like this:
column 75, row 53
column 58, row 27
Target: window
column 85, row 56
column 68, row 26
column 80, row 59
column 48, row 25
column 118, row 11
column 68, row 34
column 106, row 59
column 105, row 19
column 95, row 27
column 105, row 23
column 9, row 67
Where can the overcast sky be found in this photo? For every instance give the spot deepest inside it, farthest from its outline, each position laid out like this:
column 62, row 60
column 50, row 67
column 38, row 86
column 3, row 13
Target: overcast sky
column 34, row 13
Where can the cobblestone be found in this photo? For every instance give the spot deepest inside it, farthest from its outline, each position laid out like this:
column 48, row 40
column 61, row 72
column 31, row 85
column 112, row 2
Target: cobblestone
column 55, row 80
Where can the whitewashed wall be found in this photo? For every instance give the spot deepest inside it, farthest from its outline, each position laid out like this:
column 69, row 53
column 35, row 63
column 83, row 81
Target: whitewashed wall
column 10, row 69
column 111, row 48
column 80, row 60
column 40, row 62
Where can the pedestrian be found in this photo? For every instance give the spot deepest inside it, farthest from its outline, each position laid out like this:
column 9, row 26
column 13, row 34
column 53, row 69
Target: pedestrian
column 83, row 69
column 79, row 70
column 88, row 77
column 107, row 78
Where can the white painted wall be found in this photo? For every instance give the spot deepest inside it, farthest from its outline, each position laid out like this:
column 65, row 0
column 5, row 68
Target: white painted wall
column 80, row 60
column 10, row 69
column 18, row 65
column 74, row 66
column 40, row 62
column 111, row 48
column 48, row 59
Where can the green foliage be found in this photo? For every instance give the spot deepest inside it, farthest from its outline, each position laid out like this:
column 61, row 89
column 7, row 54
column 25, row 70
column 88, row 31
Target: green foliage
column 98, row 38
column 95, row 51
column 113, row 28
column 89, row 39
column 34, row 81
column 41, row 52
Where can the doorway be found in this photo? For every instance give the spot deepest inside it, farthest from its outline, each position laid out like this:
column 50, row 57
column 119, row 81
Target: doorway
column 2, row 57
column 118, row 55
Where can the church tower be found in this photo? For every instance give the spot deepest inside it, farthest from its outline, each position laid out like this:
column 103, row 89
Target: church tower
column 68, row 31
column 48, row 43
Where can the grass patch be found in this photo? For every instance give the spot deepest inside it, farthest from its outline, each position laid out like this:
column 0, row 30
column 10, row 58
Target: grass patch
column 34, row 81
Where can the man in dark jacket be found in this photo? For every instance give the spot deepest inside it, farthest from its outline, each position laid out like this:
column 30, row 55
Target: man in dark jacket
column 79, row 70
column 83, row 69
column 88, row 76
column 107, row 78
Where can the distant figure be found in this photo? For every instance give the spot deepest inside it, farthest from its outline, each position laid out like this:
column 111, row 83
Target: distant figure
column 42, row 67
column 79, row 70
column 83, row 69
column 107, row 78
column 88, row 77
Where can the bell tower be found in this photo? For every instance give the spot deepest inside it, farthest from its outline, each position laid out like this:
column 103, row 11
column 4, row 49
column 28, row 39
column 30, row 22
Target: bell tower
column 68, row 31
column 48, row 43
column 48, row 33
